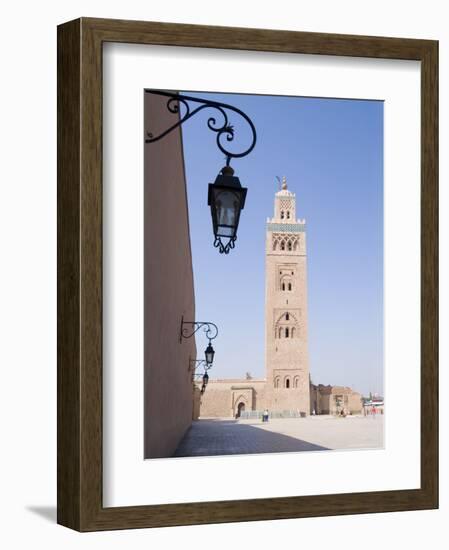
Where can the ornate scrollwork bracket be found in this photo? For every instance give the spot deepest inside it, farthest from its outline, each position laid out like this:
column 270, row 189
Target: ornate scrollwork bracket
column 195, row 364
column 224, row 131
column 189, row 328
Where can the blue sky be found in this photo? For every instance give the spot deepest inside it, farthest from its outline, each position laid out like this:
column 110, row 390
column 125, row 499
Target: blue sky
column 331, row 152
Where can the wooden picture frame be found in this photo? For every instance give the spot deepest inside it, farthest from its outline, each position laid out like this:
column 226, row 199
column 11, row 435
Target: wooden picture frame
column 80, row 503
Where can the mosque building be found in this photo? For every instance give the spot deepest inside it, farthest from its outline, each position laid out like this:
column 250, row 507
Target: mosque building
column 286, row 390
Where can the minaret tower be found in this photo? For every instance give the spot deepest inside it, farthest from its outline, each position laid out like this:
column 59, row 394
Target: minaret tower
column 287, row 366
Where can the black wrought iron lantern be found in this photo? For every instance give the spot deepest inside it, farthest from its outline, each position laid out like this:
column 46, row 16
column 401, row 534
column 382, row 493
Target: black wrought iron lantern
column 205, row 379
column 226, row 196
column 226, row 199
column 209, row 352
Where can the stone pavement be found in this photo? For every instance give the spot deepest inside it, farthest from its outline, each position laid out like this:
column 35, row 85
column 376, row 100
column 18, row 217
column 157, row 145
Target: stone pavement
column 209, row 437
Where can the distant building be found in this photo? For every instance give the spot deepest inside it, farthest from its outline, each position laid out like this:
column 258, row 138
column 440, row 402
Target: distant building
column 335, row 400
column 286, row 391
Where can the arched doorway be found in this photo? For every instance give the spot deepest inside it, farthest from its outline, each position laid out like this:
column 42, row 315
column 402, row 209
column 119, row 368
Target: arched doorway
column 240, row 409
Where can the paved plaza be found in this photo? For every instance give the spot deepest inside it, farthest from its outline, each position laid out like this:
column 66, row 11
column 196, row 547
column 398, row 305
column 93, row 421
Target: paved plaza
column 209, row 437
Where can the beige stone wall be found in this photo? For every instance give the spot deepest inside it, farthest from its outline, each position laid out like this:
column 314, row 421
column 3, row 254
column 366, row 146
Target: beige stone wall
column 196, row 402
column 324, row 397
column 326, row 406
column 320, row 400
column 168, row 287
column 355, row 403
column 222, row 397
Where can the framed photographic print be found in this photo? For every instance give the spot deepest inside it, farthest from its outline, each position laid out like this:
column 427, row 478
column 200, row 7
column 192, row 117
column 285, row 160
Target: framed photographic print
column 247, row 274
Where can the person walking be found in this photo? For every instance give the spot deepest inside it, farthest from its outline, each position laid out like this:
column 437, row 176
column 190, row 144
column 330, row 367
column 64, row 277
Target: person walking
column 265, row 416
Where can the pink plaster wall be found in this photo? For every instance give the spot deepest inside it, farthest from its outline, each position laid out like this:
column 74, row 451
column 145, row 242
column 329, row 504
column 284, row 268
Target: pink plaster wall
column 168, row 287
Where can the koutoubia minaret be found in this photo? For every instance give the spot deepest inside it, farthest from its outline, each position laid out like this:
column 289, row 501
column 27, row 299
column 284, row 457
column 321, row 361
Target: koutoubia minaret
column 287, row 366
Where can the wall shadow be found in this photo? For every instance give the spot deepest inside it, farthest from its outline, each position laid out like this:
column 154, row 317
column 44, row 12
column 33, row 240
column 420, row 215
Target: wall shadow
column 229, row 437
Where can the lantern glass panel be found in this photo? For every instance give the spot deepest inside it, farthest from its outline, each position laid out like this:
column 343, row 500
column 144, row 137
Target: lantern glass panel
column 227, row 204
column 209, row 353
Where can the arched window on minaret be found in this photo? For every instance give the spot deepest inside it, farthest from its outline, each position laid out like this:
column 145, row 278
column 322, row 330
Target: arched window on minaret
column 287, row 382
column 289, row 246
column 276, row 382
column 288, row 214
column 281, row 332
column 282, row 245
column 282, row 214
column 287, row 332
column 285, row 282
column 296, row 382
column 287, row 316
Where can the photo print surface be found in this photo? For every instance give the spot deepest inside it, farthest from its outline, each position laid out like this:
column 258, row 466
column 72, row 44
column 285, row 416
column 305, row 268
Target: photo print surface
column 263, row 274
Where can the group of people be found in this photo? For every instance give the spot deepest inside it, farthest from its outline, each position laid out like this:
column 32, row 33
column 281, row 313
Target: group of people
column 371, row 411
